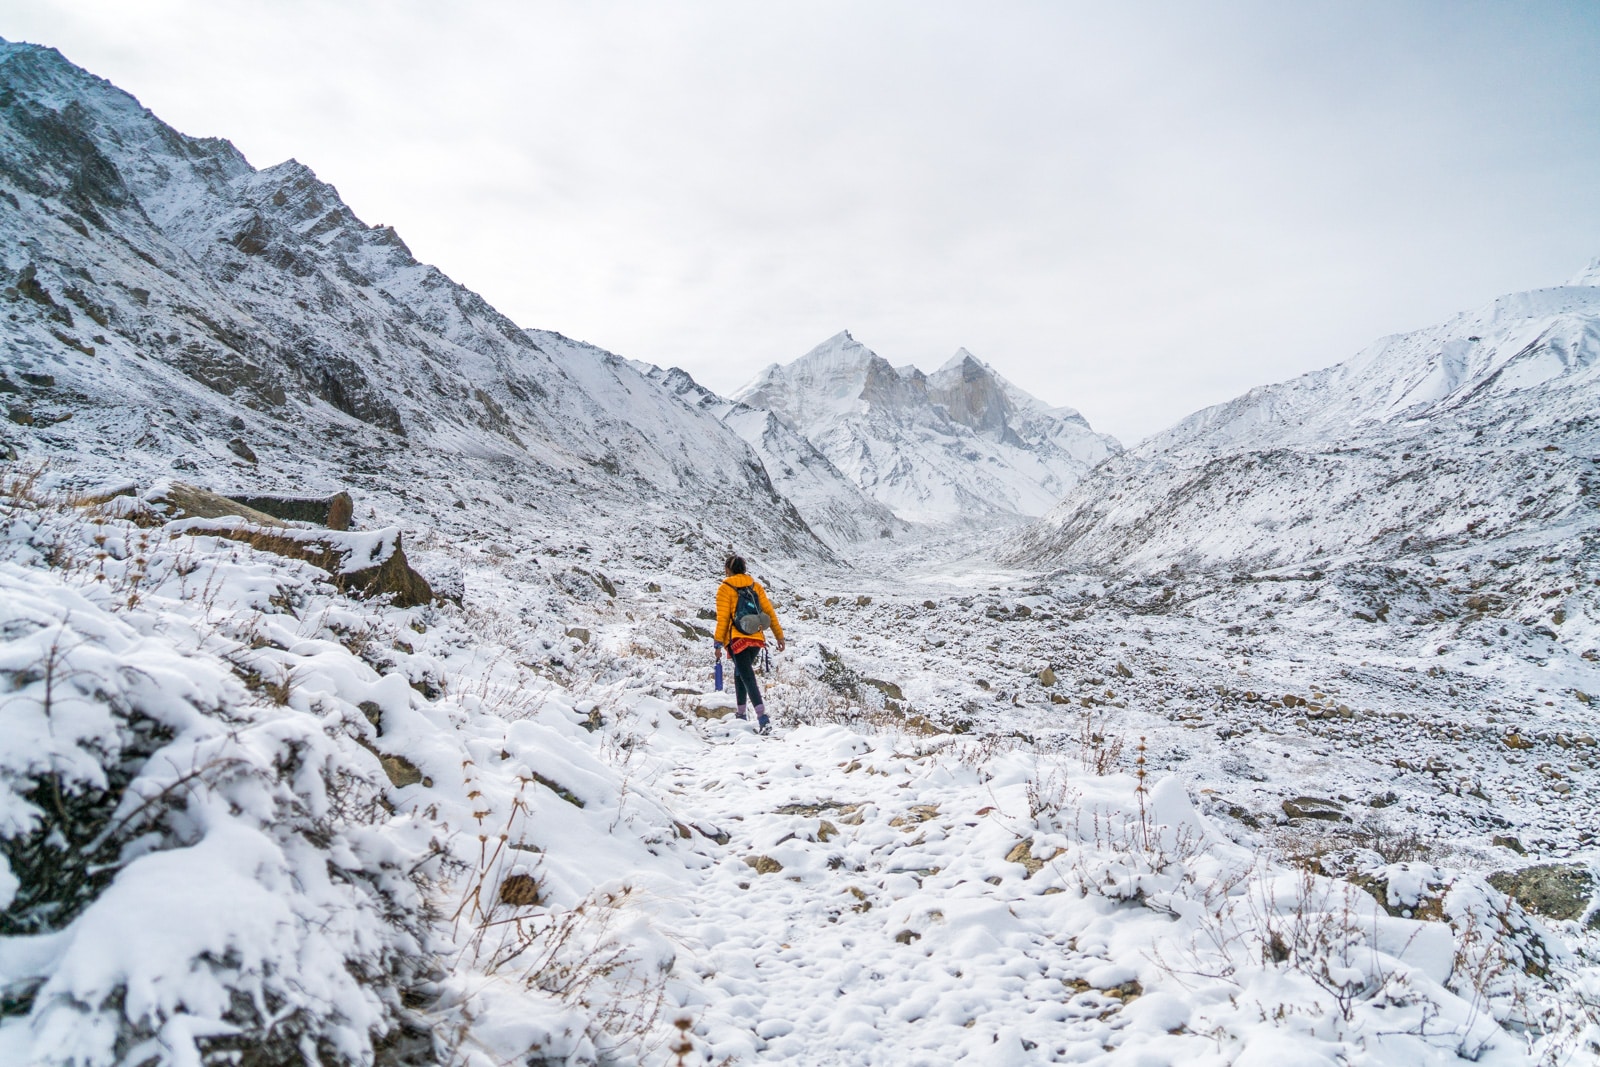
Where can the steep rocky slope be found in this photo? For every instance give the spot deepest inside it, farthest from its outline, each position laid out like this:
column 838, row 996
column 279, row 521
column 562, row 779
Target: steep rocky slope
column 188, row 312
column 960, row 443
column 1477, row 435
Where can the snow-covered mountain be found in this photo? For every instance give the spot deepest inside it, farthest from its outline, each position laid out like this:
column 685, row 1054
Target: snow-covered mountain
column 188, row 312
column 961, row 442
column 1478, row 431
column 835, row 508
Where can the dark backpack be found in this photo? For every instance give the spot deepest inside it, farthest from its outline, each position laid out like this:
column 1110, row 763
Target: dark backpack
column 747, row 613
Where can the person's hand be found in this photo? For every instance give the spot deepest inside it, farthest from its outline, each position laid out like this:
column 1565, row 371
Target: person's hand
column 780, row 644
column 719, row 652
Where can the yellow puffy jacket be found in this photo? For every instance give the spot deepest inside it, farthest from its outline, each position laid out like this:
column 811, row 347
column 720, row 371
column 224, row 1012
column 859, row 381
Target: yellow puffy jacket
column 728, row 599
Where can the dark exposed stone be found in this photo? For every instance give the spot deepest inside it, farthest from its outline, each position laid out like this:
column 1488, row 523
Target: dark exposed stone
column 520, row 891
column 401, row 771
column 1552, row 890
column 334, row 511
column 1314, row 808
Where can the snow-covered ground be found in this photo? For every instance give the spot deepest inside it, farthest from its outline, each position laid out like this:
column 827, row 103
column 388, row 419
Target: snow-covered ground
column 244, row 808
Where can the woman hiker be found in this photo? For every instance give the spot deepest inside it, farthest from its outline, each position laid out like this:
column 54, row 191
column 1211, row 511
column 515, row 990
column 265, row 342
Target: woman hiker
column 743, row 648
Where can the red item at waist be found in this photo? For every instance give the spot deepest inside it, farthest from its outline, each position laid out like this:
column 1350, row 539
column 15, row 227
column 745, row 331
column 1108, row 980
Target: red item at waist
column 739, row 644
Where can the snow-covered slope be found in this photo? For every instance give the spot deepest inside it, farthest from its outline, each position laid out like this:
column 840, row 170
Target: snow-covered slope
column 185, row 309
column 1477, row 431
column 961, row 442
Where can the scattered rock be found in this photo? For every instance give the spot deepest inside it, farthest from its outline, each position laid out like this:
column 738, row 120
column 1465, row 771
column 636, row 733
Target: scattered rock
column 888, row 689
column 929, row 605
column 1314, row 808
column 1552, row 890
column 374, row 714
column 1047, row 677
column 830, row 601
column 827, row 831
column 1244, row 816
column 905, row 937
column 239, row 447
column 1507, row 841
column 1123, row 671
column 1022, row 853
column 402, row 772
column 558, row 789
column 763, row 864
column 863, row 601
column 916, row 815
column 689, row 630
column 1516, row 740
column 20, row 414
column 652, row 587
column 520, row 891
column 1582, row 697
column 579, row 634
column 703, row 712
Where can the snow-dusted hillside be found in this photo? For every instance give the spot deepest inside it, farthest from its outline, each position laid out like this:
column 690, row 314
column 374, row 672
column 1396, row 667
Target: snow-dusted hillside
column 1477, row 432
column 189, row 312
column 959, row 443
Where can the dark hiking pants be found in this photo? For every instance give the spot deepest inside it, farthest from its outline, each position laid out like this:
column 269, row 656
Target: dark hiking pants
column 744, row 676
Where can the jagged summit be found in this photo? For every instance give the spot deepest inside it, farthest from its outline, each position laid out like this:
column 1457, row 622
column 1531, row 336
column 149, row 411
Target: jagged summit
column 959, row 443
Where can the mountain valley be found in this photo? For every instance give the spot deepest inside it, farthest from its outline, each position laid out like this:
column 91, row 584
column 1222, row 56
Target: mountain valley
column 1270, row 738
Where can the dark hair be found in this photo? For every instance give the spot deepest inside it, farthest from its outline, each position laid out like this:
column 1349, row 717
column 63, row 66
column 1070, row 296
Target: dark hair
column 735, row 564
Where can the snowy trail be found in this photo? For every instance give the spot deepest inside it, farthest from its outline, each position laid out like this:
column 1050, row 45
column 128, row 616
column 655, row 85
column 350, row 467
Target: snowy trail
column 863, row 912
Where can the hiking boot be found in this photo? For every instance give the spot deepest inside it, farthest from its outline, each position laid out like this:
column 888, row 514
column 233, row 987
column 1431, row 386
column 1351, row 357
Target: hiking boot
column 764, row 725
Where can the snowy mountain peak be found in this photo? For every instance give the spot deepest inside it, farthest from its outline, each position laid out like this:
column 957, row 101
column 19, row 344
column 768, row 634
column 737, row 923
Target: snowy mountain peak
column 1589, row 275
column 961, row 442
column 962, row 359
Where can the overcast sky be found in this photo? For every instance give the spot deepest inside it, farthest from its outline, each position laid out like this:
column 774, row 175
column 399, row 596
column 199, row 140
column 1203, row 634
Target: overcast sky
column 1135, row 209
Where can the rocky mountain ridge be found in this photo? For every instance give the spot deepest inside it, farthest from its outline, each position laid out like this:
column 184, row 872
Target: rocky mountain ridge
column 1476, row 433
column 960, row 443
column 188, row 312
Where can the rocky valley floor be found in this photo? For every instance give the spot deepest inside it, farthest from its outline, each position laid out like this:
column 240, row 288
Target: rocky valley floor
column 1005, row 817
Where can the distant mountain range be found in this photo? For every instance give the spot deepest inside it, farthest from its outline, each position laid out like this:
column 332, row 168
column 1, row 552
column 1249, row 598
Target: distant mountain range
column 959, row 443
column 186, row 311
column 171, row 310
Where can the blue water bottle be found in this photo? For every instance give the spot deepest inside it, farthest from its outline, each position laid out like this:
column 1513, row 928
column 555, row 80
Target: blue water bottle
column 717, row 671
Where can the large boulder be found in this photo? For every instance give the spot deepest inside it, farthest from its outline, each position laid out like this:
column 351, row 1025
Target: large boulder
column 369, row 563
column 334, row 511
